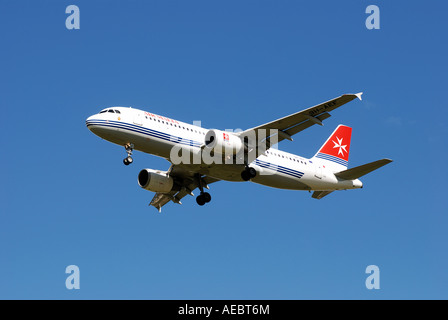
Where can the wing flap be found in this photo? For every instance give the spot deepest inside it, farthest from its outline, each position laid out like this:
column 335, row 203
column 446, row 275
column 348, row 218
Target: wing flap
column 159, row 200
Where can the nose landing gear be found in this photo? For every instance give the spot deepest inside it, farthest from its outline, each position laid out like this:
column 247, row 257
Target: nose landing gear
column 129, row 148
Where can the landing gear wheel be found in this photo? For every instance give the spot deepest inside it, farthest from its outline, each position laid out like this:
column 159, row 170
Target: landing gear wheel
column 245, row 175
column 200, row 200
column 127, row 161
column 248, row 173
column 203, row 198
column 252, row 172
column 207, row 197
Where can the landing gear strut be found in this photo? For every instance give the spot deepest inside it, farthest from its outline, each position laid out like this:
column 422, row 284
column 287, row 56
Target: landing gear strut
column 203, row 197
column 129, row 148
column 248, row 173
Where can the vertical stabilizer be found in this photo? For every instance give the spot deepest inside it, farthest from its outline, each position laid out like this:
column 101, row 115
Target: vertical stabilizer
column 335, row 151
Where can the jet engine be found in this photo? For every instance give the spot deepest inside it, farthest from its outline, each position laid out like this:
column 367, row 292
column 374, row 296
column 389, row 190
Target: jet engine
column 223, row 142
column 155, row 180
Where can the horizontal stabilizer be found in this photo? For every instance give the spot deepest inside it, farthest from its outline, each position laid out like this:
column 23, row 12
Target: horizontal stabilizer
column 357, row 172
column 320, row 194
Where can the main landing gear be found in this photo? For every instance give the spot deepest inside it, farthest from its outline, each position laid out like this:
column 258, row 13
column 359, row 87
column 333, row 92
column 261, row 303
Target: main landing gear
column 203, row 197
column 248, row 173
column 129, row 148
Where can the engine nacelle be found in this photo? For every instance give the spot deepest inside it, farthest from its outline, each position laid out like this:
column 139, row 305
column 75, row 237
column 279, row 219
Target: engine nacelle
column 223, row 142
column 155, row 180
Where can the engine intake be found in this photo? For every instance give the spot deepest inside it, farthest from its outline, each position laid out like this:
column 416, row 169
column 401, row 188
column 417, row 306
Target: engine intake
column 155, row 180
column 223, row 142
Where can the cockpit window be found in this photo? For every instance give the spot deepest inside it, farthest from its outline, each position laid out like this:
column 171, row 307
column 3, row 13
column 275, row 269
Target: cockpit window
column 117, row 111
column 103, row 111
column 110, row 110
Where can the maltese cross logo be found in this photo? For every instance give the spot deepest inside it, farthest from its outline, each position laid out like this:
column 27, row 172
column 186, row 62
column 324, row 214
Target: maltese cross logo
column 340, row 146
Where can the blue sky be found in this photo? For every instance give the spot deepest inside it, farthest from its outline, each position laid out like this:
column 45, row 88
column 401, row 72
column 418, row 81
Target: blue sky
column 67, row 199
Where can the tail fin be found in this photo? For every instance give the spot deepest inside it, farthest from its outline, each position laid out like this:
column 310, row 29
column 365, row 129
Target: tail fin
column 335, row 151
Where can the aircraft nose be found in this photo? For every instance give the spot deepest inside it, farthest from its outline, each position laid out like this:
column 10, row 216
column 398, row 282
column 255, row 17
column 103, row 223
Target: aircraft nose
column 89, row 121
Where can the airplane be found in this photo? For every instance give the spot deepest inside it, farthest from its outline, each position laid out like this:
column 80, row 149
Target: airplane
column 232, row 156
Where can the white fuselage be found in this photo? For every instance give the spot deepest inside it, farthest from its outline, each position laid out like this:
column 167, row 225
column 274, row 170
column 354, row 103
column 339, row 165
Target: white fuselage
column 157, row 135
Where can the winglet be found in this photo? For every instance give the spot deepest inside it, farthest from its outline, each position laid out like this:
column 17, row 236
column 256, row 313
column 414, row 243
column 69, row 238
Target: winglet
column 358, row 95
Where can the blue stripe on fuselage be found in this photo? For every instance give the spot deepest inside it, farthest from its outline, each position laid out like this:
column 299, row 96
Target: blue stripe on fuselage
column 143, row 130
column 278, row 168
column 328, row 157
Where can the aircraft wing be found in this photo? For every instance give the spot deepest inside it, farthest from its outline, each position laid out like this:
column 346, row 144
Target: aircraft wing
column 187, row 180
column 294, row 123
